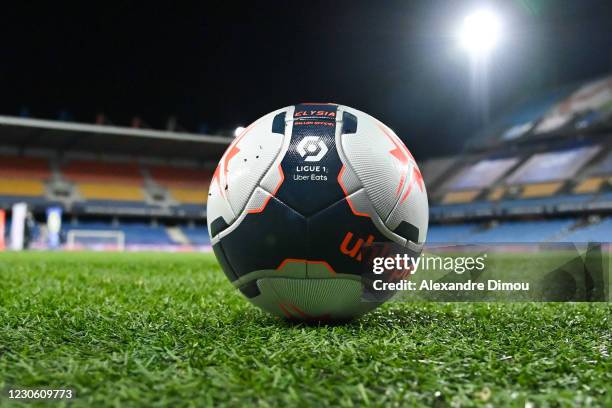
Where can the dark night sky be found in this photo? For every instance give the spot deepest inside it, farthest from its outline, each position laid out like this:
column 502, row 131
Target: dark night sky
column 228, row 65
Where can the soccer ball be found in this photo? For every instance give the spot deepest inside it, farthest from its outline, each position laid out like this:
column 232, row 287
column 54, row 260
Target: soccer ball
column 297, row 196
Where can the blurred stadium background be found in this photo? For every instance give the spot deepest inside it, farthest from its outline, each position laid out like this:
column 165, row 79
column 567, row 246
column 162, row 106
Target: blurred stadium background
column 541, row 172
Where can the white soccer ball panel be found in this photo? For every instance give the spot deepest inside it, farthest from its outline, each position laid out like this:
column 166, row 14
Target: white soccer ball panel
column 248, row 159
column 412, row 206
column 244, row 164
column 368, row 152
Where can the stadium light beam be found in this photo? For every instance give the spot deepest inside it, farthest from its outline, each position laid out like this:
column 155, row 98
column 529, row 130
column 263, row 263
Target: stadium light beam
column 480, row 32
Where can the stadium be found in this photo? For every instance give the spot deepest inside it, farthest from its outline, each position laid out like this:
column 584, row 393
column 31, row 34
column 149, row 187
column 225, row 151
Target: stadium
column 540, row 173
column 110, row 287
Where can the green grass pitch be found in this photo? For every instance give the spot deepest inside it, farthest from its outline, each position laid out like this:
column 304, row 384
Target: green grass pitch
column 170, row 330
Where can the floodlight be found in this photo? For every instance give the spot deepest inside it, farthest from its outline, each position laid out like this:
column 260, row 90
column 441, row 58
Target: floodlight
column 480, row 31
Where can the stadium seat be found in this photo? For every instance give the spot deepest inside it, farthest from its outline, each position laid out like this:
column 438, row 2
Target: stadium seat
column 112, row 181
column 23, row 176
column 22, row 187
column 103, row 172
column 197, row 236
column 496, row 194
column 600, row 232
column 189, row 195
column 24, row 167
column 174, row 176
column 457, row 197
column 540, row 189
column 106, row 191
column 590, row 185
column 521, row 231
column 187, row 185
column 440, row 233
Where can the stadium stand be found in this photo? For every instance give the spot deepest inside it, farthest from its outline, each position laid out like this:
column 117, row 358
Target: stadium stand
column 434, row 169
column 596, row 232
column 23, row 176
column 185, row 185
column 586, row 106
column 102, row 172
column 481, row 174
column 520, row 231
column 197, row 235
column 24, row 167
column 520, row 119
column 457, row 197
column 111, row 192
column 449, row 233
column 140, row 182
column 540, row 189
column 496, row 194
column 555, row 230
column 553, row 166
column 96, row 180
column 540, row 173
column 22, row 187
column 590, row 185
column 563, row 168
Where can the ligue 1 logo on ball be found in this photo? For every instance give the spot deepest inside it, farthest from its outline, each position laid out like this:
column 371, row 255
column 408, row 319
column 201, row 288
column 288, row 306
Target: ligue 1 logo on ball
column 290, row 236
column 312, row 148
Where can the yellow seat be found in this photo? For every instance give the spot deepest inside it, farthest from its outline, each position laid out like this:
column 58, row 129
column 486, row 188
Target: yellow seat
column 118, row 192
column 496, row 194
column 590, row 185
column 457, row 197
column 540, row 189
column 22, row 187
column 189, row 195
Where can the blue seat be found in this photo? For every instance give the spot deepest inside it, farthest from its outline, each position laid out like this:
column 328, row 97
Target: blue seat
column 197, row 236
column 601, row 232
column 521, row 231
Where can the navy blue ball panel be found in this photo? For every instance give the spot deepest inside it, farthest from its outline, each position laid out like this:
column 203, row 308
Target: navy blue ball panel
column 338, row 237
column 311, row 163
column 263, row 240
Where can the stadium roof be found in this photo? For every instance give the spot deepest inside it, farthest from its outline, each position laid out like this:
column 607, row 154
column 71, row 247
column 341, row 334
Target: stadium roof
column 62, row 136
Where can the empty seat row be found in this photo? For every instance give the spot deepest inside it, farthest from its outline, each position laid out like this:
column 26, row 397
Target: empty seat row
column 96, row 180
column 554, row 230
